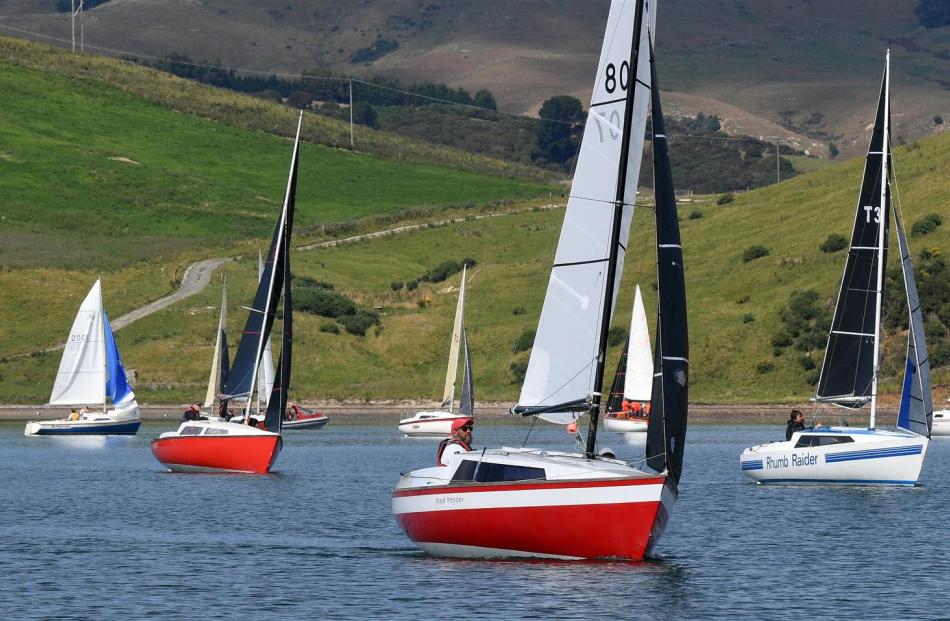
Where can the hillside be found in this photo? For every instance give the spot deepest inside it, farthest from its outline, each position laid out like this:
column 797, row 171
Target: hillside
column 734, row 305
column 799, row 70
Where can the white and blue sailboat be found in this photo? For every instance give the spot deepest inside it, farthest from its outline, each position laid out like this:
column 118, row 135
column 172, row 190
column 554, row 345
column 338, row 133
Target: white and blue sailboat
column 849, row 374
column 91, row 373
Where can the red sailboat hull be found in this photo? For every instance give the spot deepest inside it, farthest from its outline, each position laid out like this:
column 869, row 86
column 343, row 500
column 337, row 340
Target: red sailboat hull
column 253, row 454
column 605, row 519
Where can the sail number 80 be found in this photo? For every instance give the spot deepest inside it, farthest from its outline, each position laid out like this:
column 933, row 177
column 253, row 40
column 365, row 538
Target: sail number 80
column 610, row 82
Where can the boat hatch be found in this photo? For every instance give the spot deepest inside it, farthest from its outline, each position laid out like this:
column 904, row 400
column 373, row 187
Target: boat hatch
column 486, row 472
column 806, row 441
column 191, row 431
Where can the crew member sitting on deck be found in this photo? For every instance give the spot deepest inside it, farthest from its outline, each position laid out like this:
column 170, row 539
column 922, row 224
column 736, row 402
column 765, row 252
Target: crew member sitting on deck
column 192, row 413
column 460, row 442
column 73, row 415
column 796, row 422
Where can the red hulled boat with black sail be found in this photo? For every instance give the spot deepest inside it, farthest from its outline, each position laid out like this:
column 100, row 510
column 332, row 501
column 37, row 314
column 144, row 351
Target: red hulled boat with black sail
column 524, row 502
column 248, row 446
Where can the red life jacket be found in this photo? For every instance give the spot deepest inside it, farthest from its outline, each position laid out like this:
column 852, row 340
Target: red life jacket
column 445, row 443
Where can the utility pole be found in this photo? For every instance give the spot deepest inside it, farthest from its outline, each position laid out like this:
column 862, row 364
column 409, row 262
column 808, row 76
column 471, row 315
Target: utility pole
column 82, row 33
column 778, row 165
column 351, row 113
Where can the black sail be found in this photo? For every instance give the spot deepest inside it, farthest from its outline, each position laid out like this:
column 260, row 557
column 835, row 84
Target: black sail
column 847, row 372
column 615, row 399
column 224, row 366
column 467, row 398
column 666, row 433
column 260, row 319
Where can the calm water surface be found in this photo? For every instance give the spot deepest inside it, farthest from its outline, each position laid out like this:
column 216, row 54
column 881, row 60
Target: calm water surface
column 95, row 528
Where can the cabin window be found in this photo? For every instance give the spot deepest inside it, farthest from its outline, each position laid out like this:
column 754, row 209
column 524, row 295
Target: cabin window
column 214, row 431
column 806, row 441
column 828, row 440
column 191, row 431
column 485, row 472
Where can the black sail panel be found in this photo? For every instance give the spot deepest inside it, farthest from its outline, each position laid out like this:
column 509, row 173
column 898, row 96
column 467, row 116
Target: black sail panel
column 847, row 372
column 615, row 400
column 224, row 364
column 916, row 407
column 666, row 433
column 260, row 319
column 467, row 398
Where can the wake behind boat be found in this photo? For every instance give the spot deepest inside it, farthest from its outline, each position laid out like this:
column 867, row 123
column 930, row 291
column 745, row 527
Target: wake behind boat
column 91, row 372
column 218, row 446
column 533, row 503
column 849, row 379
column 438, row 423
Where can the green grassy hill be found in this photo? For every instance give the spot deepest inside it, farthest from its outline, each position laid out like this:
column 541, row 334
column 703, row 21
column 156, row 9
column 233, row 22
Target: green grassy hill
column 405, row 357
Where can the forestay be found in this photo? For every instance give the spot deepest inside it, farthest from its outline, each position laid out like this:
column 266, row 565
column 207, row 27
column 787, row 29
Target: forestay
column 916, row 407
column 561, row 371
column 81, row 378
column 847, row 372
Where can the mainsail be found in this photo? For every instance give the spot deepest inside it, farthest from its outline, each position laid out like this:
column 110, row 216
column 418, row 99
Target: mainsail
column 260, row 319
column 916, row 407
column 81, row 378
column 448, row 393
column 847, row 373
column 563, row 368
column 666, row 432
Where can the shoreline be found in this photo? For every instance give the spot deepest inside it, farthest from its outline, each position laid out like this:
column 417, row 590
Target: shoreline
column 699, row 413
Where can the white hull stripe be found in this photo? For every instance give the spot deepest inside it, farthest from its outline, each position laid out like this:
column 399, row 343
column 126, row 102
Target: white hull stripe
column 559, row 497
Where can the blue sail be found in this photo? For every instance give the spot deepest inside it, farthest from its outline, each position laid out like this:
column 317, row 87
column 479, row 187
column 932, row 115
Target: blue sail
column 117, row 385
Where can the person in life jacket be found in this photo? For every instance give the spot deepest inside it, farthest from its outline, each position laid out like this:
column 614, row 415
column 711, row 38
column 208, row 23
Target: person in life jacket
column 460, row 442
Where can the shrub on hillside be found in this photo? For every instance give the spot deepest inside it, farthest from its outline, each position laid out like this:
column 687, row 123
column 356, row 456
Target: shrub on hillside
column 525, row 341
column 725, row 199
column 518, row 369
column 754, row 252
column 926, row 225
column 834, row 243
column 748, row 318
column 764, row 367
column 306, row 281
column 616, row 336
column 695, row 214
column 359, row 322
column 396, row 285
column 322, row 302
column 329, row 327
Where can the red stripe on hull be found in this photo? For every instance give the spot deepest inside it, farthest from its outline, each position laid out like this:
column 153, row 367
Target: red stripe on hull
column 621, row 531
column 251, row 454
column 516, row 487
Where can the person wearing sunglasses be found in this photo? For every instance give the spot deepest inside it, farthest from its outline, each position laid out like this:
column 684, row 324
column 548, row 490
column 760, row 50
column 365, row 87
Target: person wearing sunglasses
column 460, row 442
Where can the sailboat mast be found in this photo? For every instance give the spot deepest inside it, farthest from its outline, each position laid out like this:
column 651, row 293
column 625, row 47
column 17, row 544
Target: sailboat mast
column 611, row 276
column 882, row 215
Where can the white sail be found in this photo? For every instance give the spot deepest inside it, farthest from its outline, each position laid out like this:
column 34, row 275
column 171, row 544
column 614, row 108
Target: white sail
column 212, row 393
column 563, row 360
column 448, row 394
column 81, row 378
column 638, row 384
column 265, row 374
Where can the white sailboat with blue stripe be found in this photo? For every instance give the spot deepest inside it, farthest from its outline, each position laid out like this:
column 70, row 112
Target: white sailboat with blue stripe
column 849, row 374
column 91, row 374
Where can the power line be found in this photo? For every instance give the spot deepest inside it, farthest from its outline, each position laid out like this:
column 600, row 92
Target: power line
column 351, row 80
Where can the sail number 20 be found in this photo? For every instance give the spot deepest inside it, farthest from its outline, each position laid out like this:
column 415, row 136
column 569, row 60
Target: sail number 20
column 610, row 81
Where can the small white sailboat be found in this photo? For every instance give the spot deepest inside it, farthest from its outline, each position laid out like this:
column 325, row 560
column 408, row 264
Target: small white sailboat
column 438, row 423
column 628, row 408
column 523, row 502
column 91, row 373
column 941, row 423
column 849, row 374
